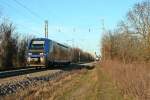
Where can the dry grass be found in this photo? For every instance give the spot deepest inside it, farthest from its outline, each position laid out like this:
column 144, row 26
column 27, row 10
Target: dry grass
column 133, row 79
column 89, row 85
column 85, row 84
column 46, row 90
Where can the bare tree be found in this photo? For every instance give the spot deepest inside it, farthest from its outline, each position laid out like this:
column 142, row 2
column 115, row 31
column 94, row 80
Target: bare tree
column 130, row 41
column 8, row 44
column 22, row 50
column 139, row 18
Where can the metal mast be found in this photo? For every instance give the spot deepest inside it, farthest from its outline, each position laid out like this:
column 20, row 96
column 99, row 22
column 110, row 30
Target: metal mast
column 46, row 28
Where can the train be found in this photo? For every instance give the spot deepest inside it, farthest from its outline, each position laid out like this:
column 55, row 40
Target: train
column 43, row 52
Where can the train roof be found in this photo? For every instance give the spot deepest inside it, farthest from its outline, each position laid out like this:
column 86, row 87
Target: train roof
column 51, row 40
column 41, row 39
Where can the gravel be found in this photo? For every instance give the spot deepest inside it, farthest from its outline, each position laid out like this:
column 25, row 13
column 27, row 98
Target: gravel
column 12, row 87
column 21, row 82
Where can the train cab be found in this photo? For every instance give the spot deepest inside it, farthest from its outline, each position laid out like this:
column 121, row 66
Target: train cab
column 37, row 52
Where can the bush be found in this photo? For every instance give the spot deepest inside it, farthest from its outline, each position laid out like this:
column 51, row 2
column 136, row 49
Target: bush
column 126, row 53
column 132, row 79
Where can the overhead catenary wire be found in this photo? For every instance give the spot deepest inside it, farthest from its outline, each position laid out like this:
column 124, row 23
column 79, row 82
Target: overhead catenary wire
column 22, row 14
column 12, row 6
column 90, row 29
column 34, row 14
column 59, row 29
column 38, row 16
column 29, row 10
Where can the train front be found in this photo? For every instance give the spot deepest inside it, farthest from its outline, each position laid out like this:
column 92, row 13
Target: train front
column 36, row 55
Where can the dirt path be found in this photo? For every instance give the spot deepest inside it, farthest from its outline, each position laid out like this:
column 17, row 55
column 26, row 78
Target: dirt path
column 90, row 85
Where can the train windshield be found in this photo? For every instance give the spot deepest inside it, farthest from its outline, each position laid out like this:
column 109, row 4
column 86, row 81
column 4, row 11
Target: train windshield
column 36, row 44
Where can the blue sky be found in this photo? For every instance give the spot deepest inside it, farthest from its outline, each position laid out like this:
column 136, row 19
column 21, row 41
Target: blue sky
column 69, row 20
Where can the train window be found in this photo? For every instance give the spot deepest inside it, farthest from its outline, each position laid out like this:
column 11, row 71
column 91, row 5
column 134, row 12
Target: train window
column 37, row 44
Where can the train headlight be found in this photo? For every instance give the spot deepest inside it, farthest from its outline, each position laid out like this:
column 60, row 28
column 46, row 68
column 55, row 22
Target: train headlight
column 29, row 54
column 42, row 54
column 42, row 59
column 28, row 59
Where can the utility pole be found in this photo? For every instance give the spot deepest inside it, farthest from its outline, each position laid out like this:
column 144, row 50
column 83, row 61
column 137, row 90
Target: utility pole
column 46, row 28
column 79, row 56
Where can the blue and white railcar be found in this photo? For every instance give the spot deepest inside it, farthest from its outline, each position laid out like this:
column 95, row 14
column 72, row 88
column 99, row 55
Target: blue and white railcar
column 45, row 52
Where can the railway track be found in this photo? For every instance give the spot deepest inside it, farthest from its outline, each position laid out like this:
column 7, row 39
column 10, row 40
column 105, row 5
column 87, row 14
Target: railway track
column 12, row 81
column 4, row 74
column 10, row 73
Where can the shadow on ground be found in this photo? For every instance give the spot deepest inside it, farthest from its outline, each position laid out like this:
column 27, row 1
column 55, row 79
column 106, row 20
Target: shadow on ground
column 73, row 67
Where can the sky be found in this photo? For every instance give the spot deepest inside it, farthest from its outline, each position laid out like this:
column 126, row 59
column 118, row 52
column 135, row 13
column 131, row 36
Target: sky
column 78, row 23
